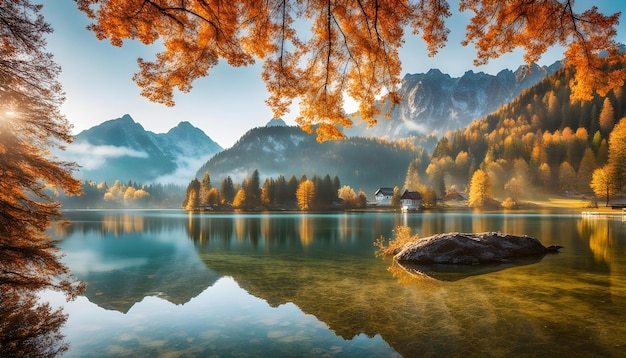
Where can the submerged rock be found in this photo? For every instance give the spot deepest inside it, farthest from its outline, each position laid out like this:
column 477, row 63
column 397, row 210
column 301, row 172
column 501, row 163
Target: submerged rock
column 471, row 249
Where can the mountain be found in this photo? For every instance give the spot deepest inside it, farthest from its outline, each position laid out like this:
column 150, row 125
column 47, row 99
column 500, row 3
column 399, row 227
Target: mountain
column 122, row 149
column 276, row 122
column 544, row 139
column 435, row 102
column 286, row 150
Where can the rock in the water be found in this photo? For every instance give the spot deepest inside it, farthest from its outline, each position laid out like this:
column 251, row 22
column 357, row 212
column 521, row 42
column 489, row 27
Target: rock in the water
column 469, row 249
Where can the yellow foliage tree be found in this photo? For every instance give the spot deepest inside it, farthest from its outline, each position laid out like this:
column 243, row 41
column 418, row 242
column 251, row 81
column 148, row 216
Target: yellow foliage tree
column 305, row 194
column 602, row 183
column 240, row 199
column 116, row 192
column 129, row 194
column 352, row 46
column 192, row 201
column 141, row 194
column 480, row 189
column 214, row 198
column 347, row 194
column 617, row 153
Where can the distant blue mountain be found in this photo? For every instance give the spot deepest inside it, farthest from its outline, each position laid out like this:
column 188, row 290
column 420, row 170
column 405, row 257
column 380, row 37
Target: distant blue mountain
column 122, row 149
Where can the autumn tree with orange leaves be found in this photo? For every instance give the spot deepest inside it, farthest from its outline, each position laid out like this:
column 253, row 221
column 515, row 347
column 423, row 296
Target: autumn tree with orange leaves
column 30, row 125
column 351, row 48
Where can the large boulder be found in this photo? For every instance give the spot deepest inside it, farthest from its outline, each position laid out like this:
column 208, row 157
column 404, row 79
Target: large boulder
column 471, row 249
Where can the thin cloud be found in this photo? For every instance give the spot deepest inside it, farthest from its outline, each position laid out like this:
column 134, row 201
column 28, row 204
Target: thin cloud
column 90, row 156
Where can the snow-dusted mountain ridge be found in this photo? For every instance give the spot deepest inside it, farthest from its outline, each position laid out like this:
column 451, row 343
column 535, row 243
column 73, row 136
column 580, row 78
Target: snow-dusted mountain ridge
column 435, row 102
column 122, row 149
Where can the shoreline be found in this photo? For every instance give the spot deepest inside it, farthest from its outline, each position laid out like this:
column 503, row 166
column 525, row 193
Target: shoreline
column 552, row 203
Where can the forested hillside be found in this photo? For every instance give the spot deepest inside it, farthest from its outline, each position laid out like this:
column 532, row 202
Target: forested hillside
column 118, row 195
column 542, row 140
column 435, row 102
column 365, row 163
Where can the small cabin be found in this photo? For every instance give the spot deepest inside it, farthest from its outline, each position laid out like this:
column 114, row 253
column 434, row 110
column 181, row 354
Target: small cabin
column 411, row 201
column 383, row 196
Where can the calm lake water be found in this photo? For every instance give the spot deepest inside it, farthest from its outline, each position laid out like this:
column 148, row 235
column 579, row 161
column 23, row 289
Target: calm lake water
column 169, row 283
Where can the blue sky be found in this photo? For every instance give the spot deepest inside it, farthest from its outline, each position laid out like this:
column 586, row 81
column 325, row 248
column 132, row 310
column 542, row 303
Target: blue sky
column 97, row 77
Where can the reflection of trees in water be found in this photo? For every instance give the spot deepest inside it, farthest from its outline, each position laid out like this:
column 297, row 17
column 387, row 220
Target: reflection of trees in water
column 29, row 328
column 123, row 224
column 601, row 241
column 606, row 246
column 258, row 231
column 306, row 231
column 204, row 229
column 29, row 262
column 118, row 224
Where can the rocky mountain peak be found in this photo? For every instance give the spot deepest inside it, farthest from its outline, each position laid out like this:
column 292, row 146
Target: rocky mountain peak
column 122, row 149
column 435, row 102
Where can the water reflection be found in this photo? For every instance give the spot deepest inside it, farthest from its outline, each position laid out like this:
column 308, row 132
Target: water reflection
column 222, row 320
column 607, row 241
column 450, row 272
column 29, row 328
column 126, row 257
column 259, row 283
column 604, row 238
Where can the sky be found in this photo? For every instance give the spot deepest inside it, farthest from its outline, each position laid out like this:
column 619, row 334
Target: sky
column 97, row 77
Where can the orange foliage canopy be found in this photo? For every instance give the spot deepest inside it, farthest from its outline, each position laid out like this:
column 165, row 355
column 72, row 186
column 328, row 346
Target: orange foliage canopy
column 352, row 47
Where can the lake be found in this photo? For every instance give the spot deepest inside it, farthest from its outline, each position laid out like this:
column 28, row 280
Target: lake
column 169, row 283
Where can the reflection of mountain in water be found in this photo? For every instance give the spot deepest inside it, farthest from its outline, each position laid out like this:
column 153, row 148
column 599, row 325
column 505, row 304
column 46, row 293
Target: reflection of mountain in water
column 326, row 272
column 223, row 320
column 128, row 257
column 324, row 264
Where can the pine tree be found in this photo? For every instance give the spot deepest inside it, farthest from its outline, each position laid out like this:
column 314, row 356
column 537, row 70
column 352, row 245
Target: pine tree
column 292, row 187
column 567, row 177
column 327, row 192
column 192, row 195
column 205, row 188
column 268, row 192
column 412, row 180
column 281, row 191
column 193, row 201
column 227, row 188
column 240, row 200
column 253, row 189
column 585, row 171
